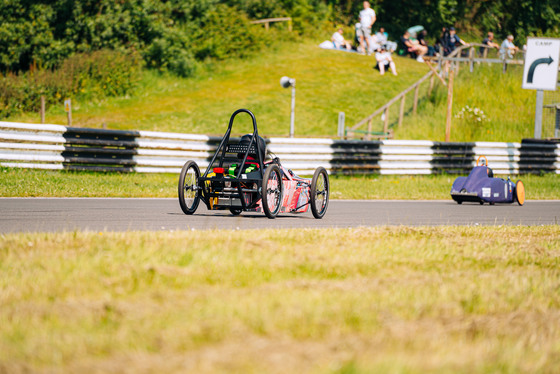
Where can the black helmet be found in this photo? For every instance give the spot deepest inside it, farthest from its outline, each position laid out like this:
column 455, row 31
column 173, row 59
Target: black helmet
column 246, row 140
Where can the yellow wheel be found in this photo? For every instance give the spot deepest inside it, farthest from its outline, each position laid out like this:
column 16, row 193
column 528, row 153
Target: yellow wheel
column 519, row 192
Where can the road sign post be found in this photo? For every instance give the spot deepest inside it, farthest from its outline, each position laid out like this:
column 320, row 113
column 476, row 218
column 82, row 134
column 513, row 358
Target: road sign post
column 540, row 72
column 538, row 114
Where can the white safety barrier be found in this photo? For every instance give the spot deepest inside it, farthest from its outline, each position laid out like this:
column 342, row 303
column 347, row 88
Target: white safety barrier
column 58, row 147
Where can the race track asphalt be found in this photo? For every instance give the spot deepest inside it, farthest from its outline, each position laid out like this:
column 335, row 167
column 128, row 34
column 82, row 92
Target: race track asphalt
column 127, row 214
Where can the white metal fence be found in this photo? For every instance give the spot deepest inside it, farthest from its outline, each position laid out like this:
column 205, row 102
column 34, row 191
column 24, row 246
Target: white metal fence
column 62, row 148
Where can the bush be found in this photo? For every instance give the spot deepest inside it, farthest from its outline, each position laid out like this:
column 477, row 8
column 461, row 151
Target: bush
column 87, row 75
column 171, row 52
column 225, row 32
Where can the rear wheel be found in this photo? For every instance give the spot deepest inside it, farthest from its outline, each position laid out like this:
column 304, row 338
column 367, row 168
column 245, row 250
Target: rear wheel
column 188, row 187
column 272, row 191
column 520, row 192
column 319, row 193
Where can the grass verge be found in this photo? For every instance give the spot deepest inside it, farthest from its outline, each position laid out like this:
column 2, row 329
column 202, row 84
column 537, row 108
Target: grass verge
column 447, row 299
column 40, row 183
column 327, row 82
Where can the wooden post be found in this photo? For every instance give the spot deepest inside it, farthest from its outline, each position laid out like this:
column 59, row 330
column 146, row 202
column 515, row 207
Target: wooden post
column 369, row 125
column 290, row 25
column 471, row 57
column 68, row 109
column 415, row 103
column 386, row 122
column 266, row 26
column 42, row 109
column 449, row 106
column 401, row 112
column 436, row 73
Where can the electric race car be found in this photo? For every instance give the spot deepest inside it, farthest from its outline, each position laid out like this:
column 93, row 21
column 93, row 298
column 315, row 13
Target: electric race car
column 239, row 180
column 481, row 186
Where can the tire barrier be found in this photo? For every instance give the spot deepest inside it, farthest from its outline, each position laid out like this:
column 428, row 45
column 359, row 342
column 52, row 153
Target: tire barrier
column 70, row 148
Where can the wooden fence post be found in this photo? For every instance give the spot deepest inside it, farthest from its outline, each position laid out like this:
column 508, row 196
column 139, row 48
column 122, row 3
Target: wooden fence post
column 369, row 127
column 449, row 106
column 68, row 110
column 471, row 57
column 401, row 112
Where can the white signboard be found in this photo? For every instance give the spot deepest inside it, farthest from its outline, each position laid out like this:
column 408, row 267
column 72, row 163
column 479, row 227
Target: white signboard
column 67, row 105
column 541, row 64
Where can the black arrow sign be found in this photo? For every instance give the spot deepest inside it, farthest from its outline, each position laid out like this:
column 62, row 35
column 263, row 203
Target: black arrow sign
column 534, row 66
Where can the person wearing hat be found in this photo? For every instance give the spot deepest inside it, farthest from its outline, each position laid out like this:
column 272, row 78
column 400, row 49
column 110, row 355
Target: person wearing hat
column 339, row 41
column 454, row 39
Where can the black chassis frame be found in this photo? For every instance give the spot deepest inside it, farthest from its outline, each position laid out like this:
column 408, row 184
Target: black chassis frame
column 218, row 182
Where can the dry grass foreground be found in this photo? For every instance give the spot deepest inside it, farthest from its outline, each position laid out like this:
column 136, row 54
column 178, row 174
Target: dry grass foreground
column 410, row 300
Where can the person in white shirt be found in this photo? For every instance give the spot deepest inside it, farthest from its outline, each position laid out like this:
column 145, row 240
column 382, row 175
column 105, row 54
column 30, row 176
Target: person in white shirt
column 508, row 48
column 339, row 41
column 385, row 60
column 381, row 36
column 367, row 19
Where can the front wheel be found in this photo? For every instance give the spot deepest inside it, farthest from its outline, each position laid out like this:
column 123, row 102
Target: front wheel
column 319, row 193
column 272, row 191
column 520, row 192
column 188, row 187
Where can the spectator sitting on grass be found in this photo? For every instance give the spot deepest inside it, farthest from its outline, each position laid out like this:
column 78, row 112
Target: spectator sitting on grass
column 414, row 46
column 382, row 39
column 422, row 41
column 339, row 41
column 384, row 60
column 508, row 48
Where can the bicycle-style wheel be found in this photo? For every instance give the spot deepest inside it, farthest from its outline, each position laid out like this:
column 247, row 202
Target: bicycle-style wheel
column 272, row 191
column 188, row 187
column 319, row 193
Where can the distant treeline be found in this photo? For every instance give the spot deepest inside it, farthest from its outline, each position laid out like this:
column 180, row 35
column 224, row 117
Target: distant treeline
column 521, row 18
column 174, row 34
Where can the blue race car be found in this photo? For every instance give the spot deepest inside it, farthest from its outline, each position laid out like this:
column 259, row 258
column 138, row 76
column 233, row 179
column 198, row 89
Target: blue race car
column 481, row 186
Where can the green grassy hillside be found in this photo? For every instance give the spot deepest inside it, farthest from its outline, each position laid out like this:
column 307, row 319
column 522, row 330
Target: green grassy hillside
column 328, row 82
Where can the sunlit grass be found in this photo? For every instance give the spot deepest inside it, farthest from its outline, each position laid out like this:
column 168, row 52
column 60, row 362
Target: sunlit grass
column 34, row 183
column 447, row 299
column 510, row 110
column 327, row 83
